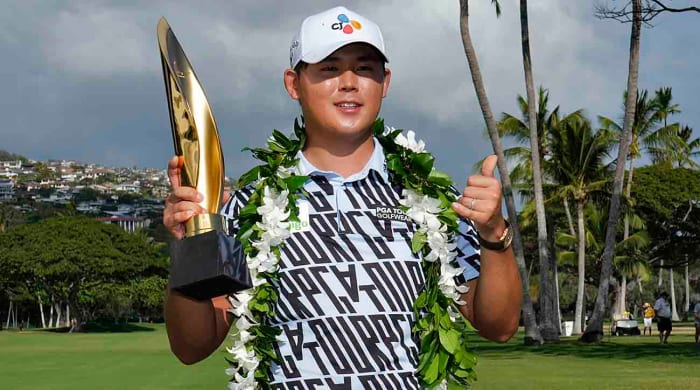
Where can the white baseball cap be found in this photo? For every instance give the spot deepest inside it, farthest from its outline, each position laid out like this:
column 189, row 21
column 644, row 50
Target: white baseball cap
column 323, row 33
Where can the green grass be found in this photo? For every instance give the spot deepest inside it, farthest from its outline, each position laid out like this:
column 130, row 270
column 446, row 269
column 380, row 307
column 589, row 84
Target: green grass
column 141, row 360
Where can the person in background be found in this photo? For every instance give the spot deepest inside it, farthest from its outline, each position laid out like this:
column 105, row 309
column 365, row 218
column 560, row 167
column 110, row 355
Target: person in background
column 648, row 317
column 663, row 317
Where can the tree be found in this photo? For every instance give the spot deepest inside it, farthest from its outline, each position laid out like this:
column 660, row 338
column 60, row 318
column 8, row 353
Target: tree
column 76, row 260
column 594, row 330
column 652, row 134
column 7, row 156
column 629, row 259
column 522, row 173
column 683, row 157
column 549, row 333
column 648, row 10
column 577, row 166
column 669, row 200
column 532, row 332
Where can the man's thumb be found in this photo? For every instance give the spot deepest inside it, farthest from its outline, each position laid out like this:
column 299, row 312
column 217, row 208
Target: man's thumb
column 489, row 165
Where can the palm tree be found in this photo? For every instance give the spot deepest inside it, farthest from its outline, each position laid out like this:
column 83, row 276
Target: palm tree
column 577, row 165
column 532, row 332
column 594, row 330
column 546, row 304
column 652, row 134
column 522, row 173
column 683, row 157
column 629, row 260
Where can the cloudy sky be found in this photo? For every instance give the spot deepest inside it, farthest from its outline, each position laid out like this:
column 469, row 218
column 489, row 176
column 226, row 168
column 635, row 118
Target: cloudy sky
column 82, row 79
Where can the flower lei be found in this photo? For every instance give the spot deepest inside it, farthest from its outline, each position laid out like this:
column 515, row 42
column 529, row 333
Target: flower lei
column 444, row 362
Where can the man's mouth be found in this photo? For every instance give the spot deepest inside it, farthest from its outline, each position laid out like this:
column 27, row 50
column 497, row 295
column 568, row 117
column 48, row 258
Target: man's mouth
column 348, row 105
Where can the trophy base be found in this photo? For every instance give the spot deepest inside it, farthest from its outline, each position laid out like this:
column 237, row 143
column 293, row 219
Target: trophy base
column 208, row 265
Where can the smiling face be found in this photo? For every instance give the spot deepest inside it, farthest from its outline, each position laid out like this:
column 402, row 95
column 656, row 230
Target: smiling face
column 341, row 96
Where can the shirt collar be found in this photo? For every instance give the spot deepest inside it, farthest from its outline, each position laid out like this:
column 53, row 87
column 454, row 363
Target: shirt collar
column 376, row 162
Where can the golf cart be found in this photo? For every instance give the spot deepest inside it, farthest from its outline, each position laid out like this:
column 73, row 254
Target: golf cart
column 625, row 327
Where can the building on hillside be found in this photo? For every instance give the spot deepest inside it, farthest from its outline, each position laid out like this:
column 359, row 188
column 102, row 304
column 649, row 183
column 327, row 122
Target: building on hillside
column 130, row 224
column 128, row 187
column 7, row 190
column 11, row 164
column 8, row 173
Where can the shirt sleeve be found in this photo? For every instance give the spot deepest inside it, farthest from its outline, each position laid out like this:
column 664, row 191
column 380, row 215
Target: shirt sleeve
column 468, row 251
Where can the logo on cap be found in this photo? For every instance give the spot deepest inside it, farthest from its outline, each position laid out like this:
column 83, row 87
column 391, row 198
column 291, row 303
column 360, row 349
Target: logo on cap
column 346, row 24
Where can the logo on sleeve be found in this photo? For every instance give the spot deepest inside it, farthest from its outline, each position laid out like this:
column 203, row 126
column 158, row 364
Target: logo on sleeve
column 391, row 214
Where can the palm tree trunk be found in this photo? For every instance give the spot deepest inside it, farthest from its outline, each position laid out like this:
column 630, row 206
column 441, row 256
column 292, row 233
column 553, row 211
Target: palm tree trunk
column 532, row 332
column 549, row 333
column 594, row 330
column 551, row 241
column 674, row 312
column 581, row 251
column 622, row 292
column 661, row 268
column 572, row 231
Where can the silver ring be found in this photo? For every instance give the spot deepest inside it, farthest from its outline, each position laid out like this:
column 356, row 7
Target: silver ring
column 471, row 204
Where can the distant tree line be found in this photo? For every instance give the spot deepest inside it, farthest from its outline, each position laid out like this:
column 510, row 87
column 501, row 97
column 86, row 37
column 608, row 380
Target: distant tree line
column 79, row 269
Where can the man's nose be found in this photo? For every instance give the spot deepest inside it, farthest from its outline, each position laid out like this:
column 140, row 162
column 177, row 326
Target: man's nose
column 348, row 81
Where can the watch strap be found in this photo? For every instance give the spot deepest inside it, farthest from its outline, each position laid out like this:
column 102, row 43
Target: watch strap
column 503, row 242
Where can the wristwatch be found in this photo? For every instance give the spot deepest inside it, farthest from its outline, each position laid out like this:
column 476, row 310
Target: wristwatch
column 503, row 242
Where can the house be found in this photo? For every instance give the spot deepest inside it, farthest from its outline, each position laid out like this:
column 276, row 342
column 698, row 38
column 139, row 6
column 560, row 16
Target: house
column 7, row 190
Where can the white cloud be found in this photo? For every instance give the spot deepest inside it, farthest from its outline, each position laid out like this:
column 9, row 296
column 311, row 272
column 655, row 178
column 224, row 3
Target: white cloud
column 98, row 41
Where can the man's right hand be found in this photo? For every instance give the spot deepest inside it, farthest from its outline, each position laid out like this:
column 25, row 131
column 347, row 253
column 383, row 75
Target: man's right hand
column 182, row 203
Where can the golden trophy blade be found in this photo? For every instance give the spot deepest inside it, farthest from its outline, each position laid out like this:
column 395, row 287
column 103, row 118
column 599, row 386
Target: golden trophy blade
column 195, row 134
column 206, row 263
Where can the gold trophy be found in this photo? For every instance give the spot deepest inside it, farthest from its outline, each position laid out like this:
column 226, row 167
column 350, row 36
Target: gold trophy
column 207, row 262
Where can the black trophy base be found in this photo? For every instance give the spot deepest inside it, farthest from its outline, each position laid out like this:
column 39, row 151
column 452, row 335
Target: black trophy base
column 208, row 265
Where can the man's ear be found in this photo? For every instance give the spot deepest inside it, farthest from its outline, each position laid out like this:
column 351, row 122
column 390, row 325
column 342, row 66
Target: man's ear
column 387, row 81
column 291, row 83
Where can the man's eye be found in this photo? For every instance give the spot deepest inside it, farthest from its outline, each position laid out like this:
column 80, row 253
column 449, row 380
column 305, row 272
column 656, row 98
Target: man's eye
column 364, row 68
column 329, row 68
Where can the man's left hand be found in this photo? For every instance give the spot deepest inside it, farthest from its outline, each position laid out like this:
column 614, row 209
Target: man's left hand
column 481, row 201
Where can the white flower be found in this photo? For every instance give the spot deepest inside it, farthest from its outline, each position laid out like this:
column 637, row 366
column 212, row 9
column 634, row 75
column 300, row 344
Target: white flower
column 410, row 142
column 285, row 172
column 239, row 303
column 454, row 315
column 257, row 281
column 243, row 324
column 243, row 383
column 245, row 358
column 421, row 208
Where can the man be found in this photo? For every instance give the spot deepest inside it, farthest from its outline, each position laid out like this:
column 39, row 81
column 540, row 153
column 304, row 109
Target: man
column 648, row 316
column 347, row 284
column 696, row 314
column 663, row 317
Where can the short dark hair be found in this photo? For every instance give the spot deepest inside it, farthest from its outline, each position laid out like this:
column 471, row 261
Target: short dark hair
column 300, row 66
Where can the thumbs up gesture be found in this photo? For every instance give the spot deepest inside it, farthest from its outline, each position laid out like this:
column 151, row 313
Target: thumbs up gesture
column 481, row 201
